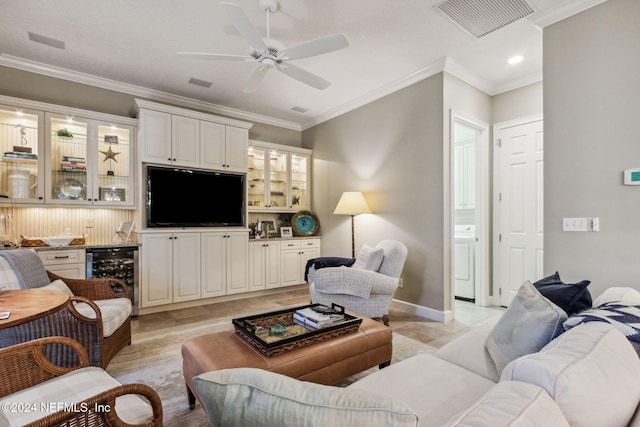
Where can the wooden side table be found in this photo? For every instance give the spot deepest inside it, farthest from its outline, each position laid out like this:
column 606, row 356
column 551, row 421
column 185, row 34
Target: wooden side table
column 29, row 304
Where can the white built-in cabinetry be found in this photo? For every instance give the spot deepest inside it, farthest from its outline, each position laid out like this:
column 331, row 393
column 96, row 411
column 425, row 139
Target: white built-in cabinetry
column 178, row 137
column 224, row 263
column 264, row 264
column 293, row 259
column 464, row 179
column 69, row 263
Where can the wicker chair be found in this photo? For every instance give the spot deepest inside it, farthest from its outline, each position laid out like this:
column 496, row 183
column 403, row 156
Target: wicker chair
column 28, row 378
column 96, row 316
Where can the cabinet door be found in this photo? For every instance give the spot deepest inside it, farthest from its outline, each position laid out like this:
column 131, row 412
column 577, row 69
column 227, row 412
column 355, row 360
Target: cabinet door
column 70, row 160
column 22, row 146
column 214, row 269
column 256, row 178
column 277, row 192
column 156, row 269
column 290, row 267
column 114, row 169
column 155, row 137
column 237, row 247
column 299, row 188
column 272, row 264
column 185, row 141
column 186, row 266
column 212, row 145
column 257, row 266
column 237, row 140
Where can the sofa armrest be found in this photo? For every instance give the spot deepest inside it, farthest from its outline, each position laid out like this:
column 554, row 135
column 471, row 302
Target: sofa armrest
column 97, row 288
column 25, row 365
column 352, row 281
column 107, row 402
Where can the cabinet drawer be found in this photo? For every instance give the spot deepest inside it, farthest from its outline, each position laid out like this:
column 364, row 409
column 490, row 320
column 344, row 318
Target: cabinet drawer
column 62, row 256
column 290, row 244
column 310, row 243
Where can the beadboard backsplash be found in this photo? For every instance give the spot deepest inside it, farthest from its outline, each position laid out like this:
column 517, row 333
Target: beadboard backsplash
column 42, row 222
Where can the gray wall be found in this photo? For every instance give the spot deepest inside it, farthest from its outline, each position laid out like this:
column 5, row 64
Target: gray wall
column 522, row 102
column 591, row 95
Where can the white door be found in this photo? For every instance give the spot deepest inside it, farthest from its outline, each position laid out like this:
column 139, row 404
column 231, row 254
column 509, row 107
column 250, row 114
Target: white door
column 518, row 206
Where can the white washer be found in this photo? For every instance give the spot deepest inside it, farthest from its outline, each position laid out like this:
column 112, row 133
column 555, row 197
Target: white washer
column 464, row 262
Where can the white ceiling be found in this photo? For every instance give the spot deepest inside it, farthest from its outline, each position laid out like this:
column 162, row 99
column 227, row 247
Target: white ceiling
column 131, row 46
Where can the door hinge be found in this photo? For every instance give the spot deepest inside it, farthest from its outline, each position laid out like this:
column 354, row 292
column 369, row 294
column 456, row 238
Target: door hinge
column 499, row 143
column 500, row 291
column 500, row 237
column 499, row 197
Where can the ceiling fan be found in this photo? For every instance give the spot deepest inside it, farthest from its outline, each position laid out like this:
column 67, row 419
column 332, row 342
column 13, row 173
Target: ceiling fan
column 270, row 53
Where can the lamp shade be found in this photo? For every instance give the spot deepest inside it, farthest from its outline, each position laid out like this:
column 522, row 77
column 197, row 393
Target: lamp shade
column 352, row 203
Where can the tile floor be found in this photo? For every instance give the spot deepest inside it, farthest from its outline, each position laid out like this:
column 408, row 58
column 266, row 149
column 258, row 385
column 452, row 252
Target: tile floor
column 430, row 332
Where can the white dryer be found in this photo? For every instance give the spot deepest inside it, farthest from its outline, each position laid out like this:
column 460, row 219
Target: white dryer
column 464, row 240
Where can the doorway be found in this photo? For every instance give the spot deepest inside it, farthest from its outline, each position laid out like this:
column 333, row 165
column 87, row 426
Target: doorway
column 518, row 205
column 470, row 187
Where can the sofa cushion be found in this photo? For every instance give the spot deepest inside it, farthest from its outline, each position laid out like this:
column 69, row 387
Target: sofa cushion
column 73, row 387
column 434, row 388
column 528, row 325
column 512, row 403
column 571, row 297
column 369, row 258
column 624, row 295
column 114, row 312
column 254, row 397
column 591, row 372
column 469, row 352
column 58, row 285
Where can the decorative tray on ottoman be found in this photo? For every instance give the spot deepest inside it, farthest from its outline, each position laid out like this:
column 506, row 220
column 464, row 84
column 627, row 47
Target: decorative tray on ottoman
column 278, row 332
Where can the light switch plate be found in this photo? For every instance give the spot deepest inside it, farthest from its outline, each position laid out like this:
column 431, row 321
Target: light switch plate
column 574, row 224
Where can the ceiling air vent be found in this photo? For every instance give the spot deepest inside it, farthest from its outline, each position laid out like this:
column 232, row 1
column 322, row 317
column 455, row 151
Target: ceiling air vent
column 199, row 82
column 481, row 17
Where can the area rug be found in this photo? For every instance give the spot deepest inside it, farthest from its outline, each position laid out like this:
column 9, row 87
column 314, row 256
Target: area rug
column 154, row 359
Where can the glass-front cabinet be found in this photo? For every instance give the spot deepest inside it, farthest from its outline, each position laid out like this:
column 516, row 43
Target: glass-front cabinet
column 278, row 178
column 22, row 142
column 89, row 162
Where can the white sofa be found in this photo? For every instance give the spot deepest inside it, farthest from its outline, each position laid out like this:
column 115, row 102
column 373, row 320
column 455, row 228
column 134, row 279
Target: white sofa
column 586, row 376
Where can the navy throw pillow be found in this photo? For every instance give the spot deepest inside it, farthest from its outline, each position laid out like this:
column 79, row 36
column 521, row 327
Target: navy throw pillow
column 571, row 297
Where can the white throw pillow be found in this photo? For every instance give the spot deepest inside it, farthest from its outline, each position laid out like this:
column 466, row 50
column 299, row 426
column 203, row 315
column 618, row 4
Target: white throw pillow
column 513, row 403
column 255, row 397
column 369, row 258
column 591, row 372
column 528, row 325
column 628, row 296
column 58, row 285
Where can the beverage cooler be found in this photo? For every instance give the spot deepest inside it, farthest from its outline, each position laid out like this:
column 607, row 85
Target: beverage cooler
column 118, row 262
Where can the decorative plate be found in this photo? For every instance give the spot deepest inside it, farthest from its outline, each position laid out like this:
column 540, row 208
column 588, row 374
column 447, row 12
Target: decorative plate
column 71, row 189
column 305, row 223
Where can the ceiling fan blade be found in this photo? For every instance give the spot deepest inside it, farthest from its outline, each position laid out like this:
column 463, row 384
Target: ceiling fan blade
column 244, row 26
column 315, row 47
column 304, row 76
column 255, row 79
column 215, row 56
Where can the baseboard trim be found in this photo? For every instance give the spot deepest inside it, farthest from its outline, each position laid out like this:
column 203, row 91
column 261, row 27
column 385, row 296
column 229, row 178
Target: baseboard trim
column 418, row 310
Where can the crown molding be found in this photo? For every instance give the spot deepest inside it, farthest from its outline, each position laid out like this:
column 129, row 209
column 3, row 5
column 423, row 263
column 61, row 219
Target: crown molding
column 560, row 11
column 138, row 91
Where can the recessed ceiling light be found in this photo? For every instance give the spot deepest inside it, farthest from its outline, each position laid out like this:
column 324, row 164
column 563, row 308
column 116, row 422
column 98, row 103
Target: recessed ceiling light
column 515, row 59
column 199, row 82
column 39, row 38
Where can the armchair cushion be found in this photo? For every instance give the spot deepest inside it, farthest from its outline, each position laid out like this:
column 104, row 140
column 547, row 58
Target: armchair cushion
column 114, row 312
column 254, row 397
column 73, row 387
column 369, row 258
column 59, row 285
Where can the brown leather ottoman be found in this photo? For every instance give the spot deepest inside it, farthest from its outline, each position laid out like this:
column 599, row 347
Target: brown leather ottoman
column 326, row 362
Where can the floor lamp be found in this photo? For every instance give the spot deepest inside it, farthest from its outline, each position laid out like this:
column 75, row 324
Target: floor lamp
column 352, row 203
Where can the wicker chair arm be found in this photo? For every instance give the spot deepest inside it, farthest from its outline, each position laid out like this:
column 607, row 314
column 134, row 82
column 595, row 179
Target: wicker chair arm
column 100, row 409
column 72, row 309
column 97, row 288
column 26, row 364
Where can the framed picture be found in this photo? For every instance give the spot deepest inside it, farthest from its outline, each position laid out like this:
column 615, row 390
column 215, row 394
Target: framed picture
column 108, row 194
column 269, row 227
column 111, row 139
column 286, row 231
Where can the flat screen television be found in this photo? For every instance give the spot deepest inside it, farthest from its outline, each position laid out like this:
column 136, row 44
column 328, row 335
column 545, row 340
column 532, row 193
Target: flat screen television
column 178, row 197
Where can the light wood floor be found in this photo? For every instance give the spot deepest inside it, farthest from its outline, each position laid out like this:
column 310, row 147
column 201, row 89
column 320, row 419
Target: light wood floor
column 435, row 334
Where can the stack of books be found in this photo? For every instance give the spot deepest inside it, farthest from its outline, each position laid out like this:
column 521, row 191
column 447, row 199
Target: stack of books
column 20, row 156
column 73, row 164
column 312, row 319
